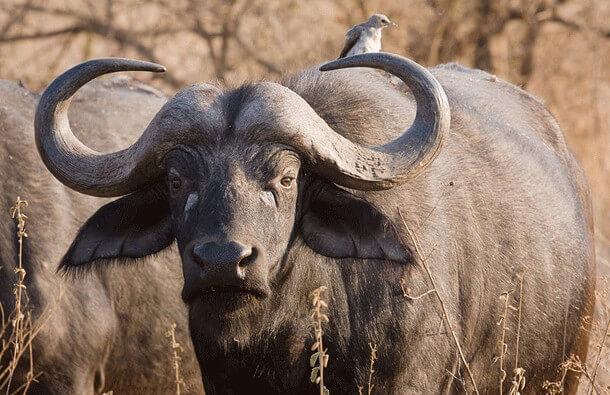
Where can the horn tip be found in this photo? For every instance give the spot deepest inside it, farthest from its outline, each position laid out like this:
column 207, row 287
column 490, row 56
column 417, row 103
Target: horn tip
column 351, row 61
column 329, row 66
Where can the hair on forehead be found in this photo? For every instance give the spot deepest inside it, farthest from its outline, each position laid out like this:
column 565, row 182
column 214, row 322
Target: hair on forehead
column 188, row 109
column 233, row 102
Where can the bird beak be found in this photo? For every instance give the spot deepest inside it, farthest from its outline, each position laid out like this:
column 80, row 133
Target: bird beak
column 394, row 24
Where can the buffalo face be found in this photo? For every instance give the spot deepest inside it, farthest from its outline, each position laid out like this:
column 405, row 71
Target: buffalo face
column 233, row 211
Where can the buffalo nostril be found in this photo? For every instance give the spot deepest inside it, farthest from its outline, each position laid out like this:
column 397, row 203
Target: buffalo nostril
column 199, row 254
column 248, row 259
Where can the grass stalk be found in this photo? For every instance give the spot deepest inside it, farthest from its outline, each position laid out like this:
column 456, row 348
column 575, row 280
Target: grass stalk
column 518, row 382
column 606, row 334
column 17, row 330
column 371, row 367
column 441, row 302
column 319, row 359
column 176, row 350
column 503, row 345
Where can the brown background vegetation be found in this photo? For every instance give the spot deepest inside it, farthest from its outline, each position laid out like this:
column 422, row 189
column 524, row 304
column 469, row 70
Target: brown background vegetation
column 556, row 49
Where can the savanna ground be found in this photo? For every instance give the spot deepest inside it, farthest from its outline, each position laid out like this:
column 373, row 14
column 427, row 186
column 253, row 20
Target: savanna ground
column 557, row 49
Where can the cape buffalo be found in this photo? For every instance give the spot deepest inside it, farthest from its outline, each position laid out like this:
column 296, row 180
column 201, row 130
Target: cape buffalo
column 106, row 331
column 272, row 190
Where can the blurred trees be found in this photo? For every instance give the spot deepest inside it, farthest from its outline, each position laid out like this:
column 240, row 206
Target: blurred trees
column 233, row 40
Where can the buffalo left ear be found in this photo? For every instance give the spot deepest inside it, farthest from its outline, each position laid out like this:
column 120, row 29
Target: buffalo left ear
column 337, row 224
column 133, row 226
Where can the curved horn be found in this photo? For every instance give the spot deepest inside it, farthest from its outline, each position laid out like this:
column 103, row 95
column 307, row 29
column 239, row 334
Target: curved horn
column 385, row 166
column 71, row 162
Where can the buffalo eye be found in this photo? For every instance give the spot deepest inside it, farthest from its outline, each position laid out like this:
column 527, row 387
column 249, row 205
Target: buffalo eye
column 286, row 182
column 175, row 181
column 176, row 184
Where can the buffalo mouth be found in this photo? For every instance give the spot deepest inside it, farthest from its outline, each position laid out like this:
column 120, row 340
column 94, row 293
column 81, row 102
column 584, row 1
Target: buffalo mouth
column 224, row 292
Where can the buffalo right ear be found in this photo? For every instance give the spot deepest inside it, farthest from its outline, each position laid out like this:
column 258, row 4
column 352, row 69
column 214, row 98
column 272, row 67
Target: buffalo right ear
column 133, row 226
column 338, row 224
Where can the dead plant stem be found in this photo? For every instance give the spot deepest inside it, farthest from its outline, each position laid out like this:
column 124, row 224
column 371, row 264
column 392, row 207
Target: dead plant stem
column 441, row 302
column 598, row 357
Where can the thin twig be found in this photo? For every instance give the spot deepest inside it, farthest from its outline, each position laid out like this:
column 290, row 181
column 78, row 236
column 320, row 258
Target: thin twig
column 40, row 35
column 518, row 381
column 371, row 367
column 319, row 359
column 406, row 292
column 519, row 320
column 442, row 303
column 20, row 319
column 599, row 355
column 176, row 350
column 19, row 340
column 571, row 364
column 503, row 346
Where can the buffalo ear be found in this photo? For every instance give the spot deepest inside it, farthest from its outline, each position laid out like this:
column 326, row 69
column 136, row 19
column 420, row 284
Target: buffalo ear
column 133, row 226
column 337, row 224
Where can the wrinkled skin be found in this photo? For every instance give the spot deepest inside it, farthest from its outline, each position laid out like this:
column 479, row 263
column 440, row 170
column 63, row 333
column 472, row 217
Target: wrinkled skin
column 104, row 331
column 258, row 231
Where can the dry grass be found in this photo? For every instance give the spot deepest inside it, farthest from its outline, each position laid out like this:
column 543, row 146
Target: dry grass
column 571, row 364
column 319, row 359
column 598, row 358
column 18, row 330
column 371, row 368
column 517, row 383
column 503, row 346
column 450, row 329
column 176, row 350
column 406, row 291
column 370, row 385
column 599, row 331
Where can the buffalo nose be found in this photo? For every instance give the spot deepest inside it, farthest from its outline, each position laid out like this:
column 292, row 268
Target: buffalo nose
column 217, row 255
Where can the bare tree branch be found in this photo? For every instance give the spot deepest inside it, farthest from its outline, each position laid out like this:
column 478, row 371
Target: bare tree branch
column 16, row 18
column 553, row 17
column 269, row 66
column 100, row 28
column 41, row 35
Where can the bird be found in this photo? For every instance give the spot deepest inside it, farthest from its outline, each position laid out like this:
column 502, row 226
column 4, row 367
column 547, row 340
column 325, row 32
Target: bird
column 365, row 37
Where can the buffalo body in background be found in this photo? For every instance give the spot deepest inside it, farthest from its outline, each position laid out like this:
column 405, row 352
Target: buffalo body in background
column 105, row 331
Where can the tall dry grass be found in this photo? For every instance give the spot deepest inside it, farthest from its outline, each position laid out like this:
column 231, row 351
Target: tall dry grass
column 176, row 351
column 445, row 314
column 319, row 359
column 17, row 328
column 598, row 328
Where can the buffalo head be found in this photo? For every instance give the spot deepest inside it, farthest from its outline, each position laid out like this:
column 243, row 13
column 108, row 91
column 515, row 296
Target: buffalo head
column 234, row 176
